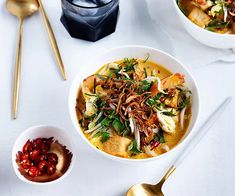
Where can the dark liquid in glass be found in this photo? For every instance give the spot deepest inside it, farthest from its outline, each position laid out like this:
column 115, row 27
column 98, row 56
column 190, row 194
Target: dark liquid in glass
column 91, row 28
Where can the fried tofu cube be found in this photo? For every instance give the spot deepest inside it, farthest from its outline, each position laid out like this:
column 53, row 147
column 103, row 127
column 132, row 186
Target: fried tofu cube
column 172, row 81
column 173, row 102
column 89, row 82
column 199, row 17
column 117, row 146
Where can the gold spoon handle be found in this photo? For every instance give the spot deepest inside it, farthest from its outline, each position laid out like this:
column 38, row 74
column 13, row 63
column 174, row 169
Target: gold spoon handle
column 53, row 41
column 168, row 173
column 17, row 71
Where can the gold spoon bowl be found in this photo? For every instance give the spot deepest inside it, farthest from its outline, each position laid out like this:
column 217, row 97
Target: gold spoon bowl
column 22, row 8
column 149, row 189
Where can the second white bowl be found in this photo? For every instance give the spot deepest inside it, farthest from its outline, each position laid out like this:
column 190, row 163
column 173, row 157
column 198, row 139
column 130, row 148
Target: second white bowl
column 215, row 40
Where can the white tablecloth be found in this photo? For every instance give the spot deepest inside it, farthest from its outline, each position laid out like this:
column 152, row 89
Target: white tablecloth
column 209, row 170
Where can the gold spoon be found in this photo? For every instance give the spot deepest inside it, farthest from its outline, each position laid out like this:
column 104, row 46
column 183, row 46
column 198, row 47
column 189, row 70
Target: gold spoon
column 21, row 9
column 156, row 190
column 53, row 41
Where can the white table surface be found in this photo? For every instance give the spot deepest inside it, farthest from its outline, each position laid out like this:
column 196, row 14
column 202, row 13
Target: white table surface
column 209, row 170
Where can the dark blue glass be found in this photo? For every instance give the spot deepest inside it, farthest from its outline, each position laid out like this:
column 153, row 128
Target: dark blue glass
column 90, row 19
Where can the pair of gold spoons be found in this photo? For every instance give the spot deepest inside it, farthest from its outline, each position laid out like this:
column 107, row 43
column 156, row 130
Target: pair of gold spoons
column 23, row 9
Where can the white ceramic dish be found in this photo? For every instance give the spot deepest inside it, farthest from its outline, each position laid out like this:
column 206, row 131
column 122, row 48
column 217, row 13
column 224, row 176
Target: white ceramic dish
column 206, row 37
column 157, row 56
column 42, row 131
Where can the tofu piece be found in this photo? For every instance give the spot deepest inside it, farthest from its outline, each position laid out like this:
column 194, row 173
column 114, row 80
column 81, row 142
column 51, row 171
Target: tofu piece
column 80, row 108
column 173, row 102
column 89, row 101
column 139, row 71
column 172, row 81
column 199, row 17
column 89, row 82
column 117, row 146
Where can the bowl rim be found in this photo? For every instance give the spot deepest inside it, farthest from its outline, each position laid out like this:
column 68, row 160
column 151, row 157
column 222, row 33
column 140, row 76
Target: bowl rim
column 14, row 149
column 122, row 159
column 204, row 30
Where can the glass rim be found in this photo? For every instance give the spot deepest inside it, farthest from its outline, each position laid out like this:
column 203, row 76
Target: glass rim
column 85, row 7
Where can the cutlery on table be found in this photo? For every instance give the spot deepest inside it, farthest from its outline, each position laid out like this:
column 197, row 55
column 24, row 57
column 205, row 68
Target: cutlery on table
column 52, row 40
column 21, row 9
column 155, row 190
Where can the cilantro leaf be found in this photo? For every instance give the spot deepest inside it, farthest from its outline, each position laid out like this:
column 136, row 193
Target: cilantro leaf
column 106, row 122
column 145, row 73
column 118, row 126
column 104, row 136
column 158, row 96
column 133, row 147
column 144, row 86
column 130, row 63
column 159, row 137
column 169, row 113
column 150, row 102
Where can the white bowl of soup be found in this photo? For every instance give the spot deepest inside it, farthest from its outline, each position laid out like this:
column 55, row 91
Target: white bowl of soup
column 210, row 22
column 134, row 103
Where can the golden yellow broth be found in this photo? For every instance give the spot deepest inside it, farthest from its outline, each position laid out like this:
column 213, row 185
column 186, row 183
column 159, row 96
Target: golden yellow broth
column 170, row 139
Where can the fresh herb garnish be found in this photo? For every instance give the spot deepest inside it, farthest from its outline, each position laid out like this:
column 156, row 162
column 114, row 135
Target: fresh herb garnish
column 159, row 136
column 155, row 100
column 118, row 126
column 133, row 147
column 144, row 86
column 217, row 24
column 100, row 102
column 129, row 64
column 127, row 130
column 106, row 122
column 112, row 114
column 103, row 134
column 102, row 77
column 184, row 103
column 114, row 70
column 90, row 117
column 145, row 73
column 169, row 113
column 147, row 57
column 184, row 100
column 150, row 102
column 158, row 96
column 95, row 85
